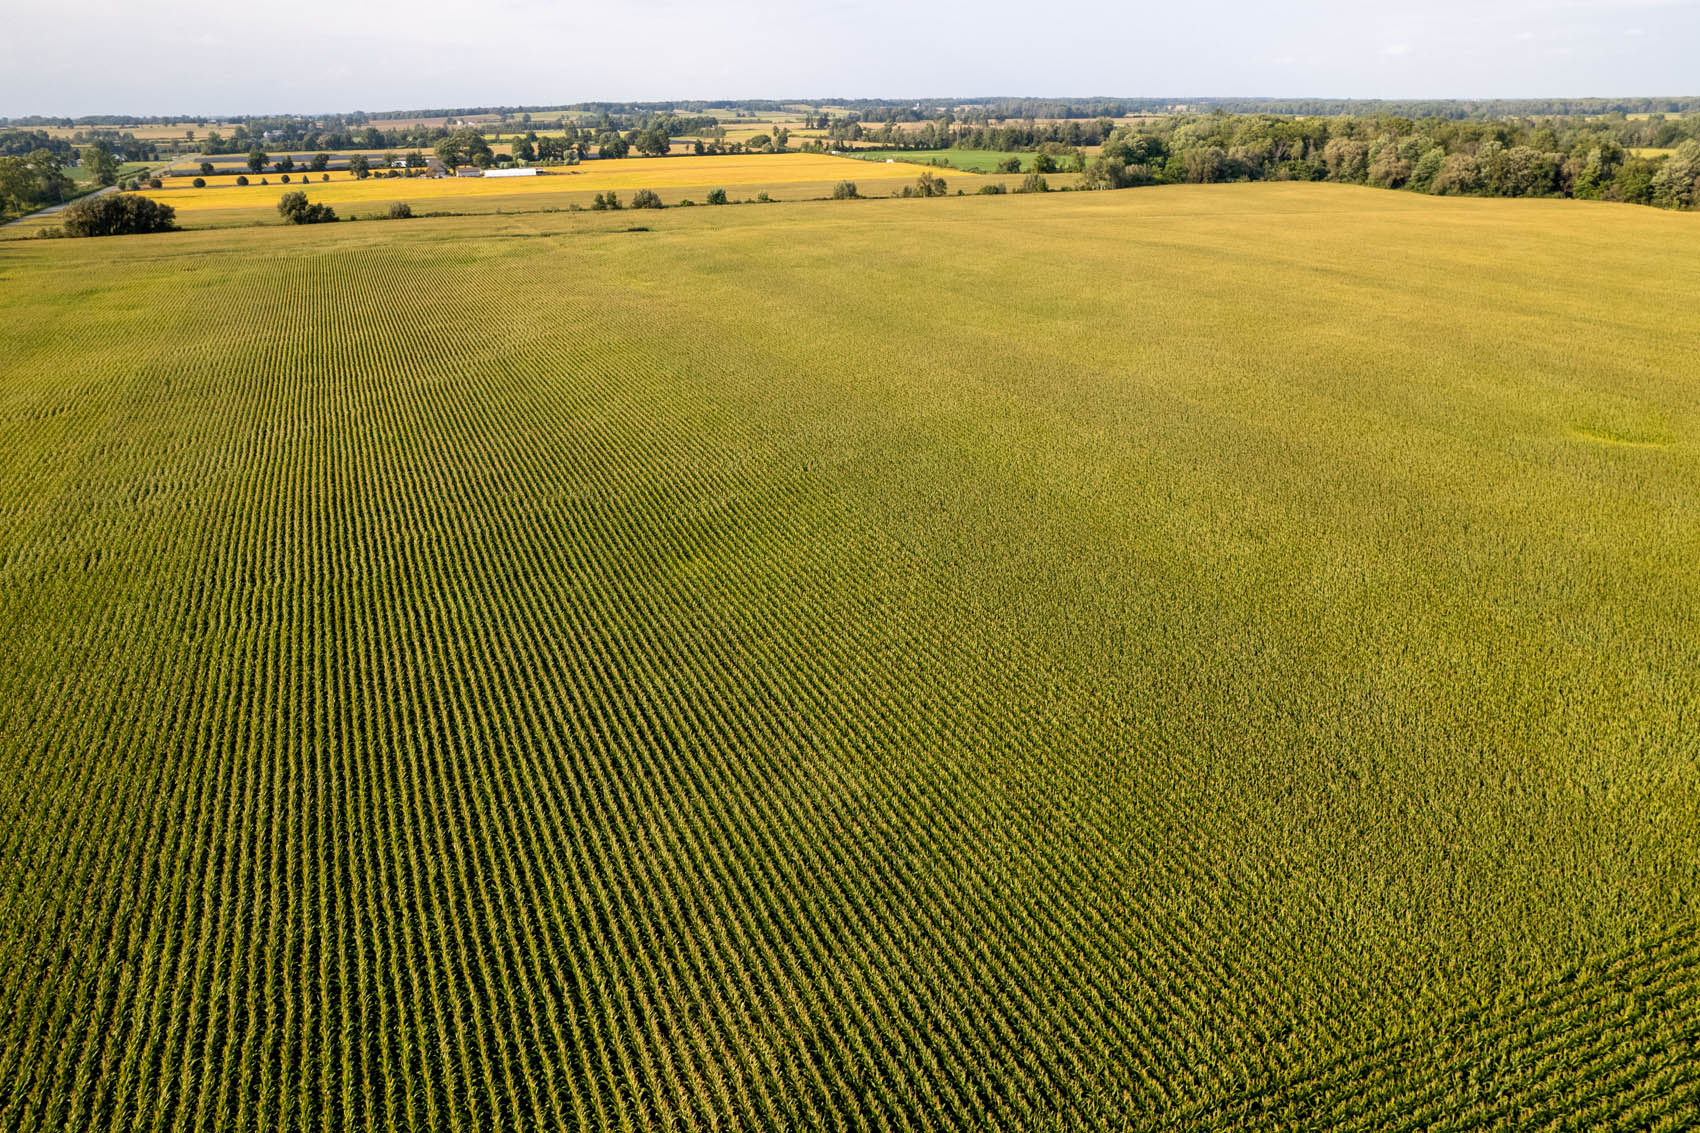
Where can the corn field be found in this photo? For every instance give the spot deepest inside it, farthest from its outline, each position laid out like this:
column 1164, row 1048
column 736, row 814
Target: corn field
column 1212, row 657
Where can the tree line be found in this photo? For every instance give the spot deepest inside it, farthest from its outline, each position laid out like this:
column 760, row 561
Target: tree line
column 1549, row 157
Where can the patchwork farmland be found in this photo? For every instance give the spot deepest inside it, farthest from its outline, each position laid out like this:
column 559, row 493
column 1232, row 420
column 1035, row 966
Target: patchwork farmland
column 1208, row 657
column 793, row 176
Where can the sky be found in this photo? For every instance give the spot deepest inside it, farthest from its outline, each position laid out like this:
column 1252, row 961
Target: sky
column 209, row 57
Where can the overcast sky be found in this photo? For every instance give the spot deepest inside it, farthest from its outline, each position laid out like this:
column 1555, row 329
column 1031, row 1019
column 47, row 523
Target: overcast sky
column 223, row 56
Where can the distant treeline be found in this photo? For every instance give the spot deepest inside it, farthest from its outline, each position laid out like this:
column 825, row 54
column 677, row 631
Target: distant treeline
column 18, row 143
column 980, row 110
column 339, row 134
column 988, row 109
column 1589, row 159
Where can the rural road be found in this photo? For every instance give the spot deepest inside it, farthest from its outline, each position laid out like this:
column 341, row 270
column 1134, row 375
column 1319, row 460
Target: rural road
column 51, row 209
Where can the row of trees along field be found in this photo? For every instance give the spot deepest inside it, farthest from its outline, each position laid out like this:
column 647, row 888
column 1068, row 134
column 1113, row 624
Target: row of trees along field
column 1594, row 158
column 1552, row 157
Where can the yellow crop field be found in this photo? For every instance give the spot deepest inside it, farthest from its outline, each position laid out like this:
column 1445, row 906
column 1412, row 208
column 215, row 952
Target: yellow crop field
column 678, row 178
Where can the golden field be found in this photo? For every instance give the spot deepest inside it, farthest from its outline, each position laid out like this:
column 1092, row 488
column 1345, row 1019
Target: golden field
column 793, row 175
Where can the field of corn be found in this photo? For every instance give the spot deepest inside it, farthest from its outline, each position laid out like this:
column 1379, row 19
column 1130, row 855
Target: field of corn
column 1210, row 657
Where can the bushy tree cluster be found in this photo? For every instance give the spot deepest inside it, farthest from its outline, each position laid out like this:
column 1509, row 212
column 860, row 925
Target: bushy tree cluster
column 1580, row 158
column 117, row 214
column 32, row 181
column 295, row 209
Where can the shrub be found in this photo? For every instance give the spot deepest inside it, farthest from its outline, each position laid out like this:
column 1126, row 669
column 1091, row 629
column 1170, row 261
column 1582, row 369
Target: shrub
column 717, row 196
column 605, row 201
column 118, row 214
column 1010, row 165
column 242, row 180
column 295, row 210
column 401, row 210
column 929, row 185
column 1034, row 183
column 154, row 183
column 989, row 190
column 646, row 199
column 763, row 199
column 284, row 178
column 845, row 191
column 199, row 182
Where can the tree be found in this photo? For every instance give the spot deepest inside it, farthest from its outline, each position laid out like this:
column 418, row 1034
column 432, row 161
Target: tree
column 603, row 202
column 1011, row 164
column 717, row 196
column 524, row 150
column 256, row 160
column 284, row 164
column 646, row 199
column 1202, row 165
column 1042, row 163
column 102, row 166
column 929, row 185
column 1426, row 169
column 1633, row 183
column 295, row 209
column 206, row 168
column 117, row 214
column 1388, row 170
column 760, row 142
column 319, row 163
column 16, row 184
column 47, row 174
column 1459, row 173
column 845, row 191
column 1677, row 182
column 401, row 210
column 1106, row 173
column 1034, row 183
column 360, row 167
column 1595, row 176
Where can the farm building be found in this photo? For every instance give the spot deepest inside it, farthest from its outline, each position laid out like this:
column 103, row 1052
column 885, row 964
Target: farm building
column 510, row 173
column 468, row 171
